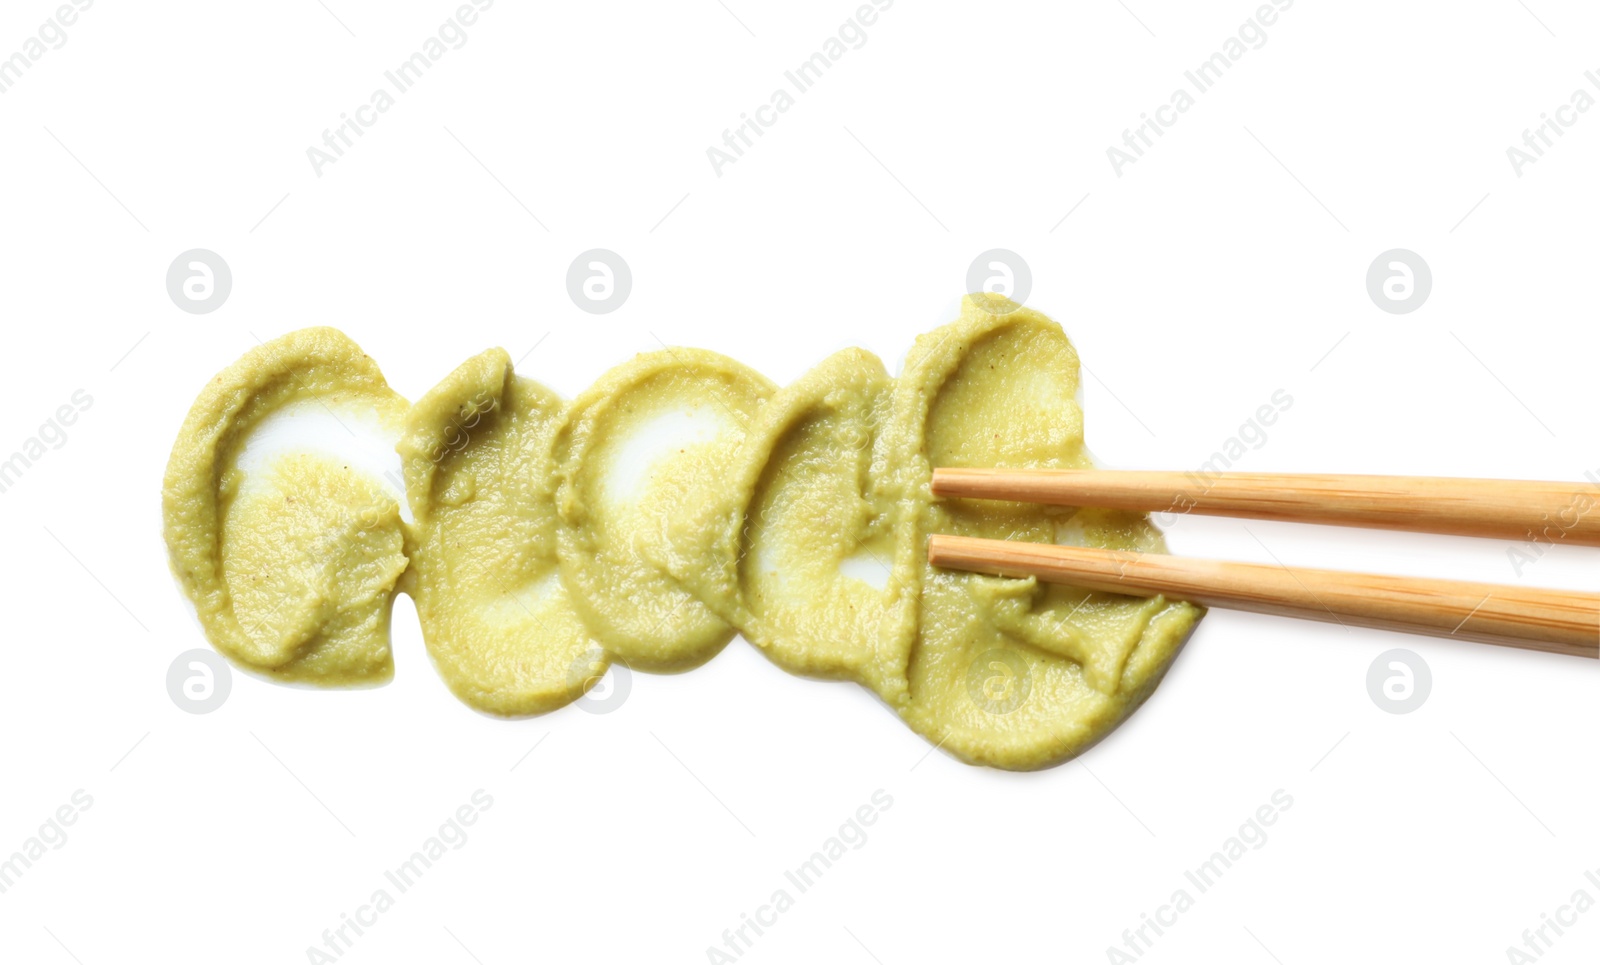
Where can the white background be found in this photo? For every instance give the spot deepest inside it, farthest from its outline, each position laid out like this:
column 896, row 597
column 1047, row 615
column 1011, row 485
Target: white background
column 1226, row 264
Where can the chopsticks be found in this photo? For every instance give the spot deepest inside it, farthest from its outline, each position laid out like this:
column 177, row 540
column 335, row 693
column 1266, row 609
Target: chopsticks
column 1529, row 618
column 1503, row 509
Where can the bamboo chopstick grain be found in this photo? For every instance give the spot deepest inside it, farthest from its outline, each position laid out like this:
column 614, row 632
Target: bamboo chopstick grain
column 1552, row 512
column 1527, row 618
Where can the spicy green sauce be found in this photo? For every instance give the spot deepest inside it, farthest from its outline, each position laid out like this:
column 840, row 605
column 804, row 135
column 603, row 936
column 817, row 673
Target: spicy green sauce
column 547, row 539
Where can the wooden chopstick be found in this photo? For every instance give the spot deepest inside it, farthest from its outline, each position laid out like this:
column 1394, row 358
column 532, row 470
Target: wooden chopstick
column 1549, row 512
column 1528, row 618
